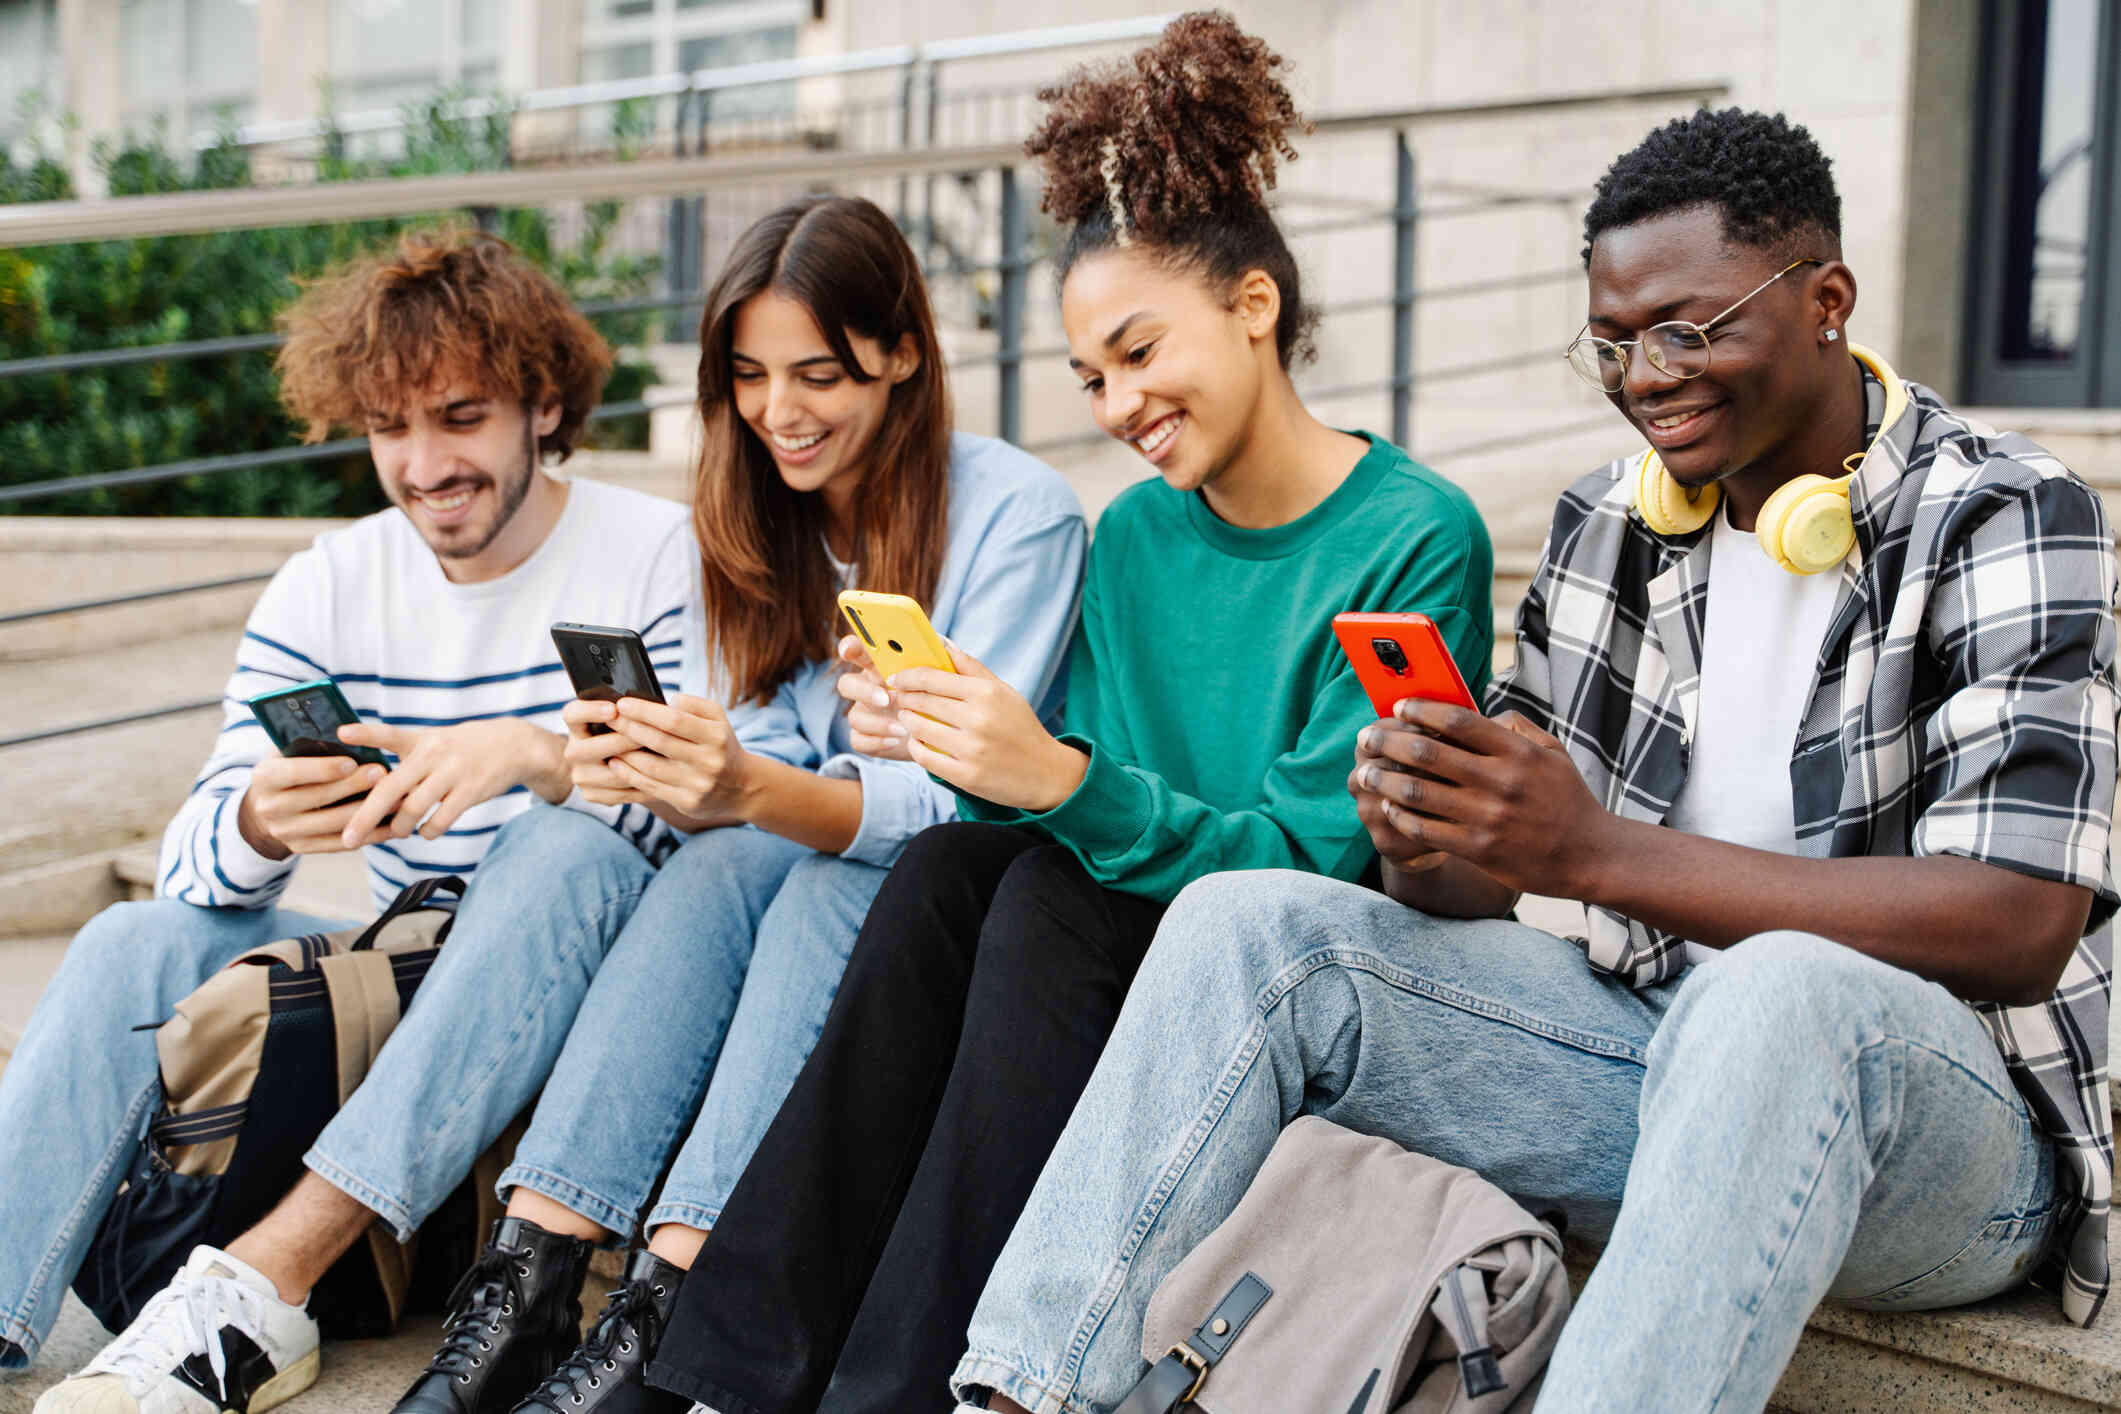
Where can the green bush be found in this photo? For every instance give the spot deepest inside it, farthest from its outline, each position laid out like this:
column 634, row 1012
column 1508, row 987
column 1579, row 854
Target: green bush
column 134, row 293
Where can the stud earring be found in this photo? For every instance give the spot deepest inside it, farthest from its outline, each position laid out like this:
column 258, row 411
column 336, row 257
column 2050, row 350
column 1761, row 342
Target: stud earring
column 1832, row 334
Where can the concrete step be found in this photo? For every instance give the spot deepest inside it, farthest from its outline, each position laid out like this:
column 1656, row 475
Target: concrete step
column 356, row 1375
column 26, row 967
column 2014, row 1352
column 325, row 885
column 74, row 796
column 50, row 560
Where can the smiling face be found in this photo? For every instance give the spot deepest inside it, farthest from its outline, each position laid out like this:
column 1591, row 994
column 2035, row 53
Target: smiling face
column 792, row 391
column 461, row 465
column 1173, row 368
column 1767, row 375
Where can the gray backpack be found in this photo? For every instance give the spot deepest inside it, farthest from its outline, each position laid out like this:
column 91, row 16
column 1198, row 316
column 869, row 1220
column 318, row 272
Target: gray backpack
column 1355, row 1277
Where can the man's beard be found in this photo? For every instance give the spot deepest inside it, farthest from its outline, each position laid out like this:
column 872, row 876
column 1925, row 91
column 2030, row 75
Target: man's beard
column 511, row 496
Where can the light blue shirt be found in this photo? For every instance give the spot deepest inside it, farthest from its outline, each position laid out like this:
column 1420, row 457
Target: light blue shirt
column 1010, row 590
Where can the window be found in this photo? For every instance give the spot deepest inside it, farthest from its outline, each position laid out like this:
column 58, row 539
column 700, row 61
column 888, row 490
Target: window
column 2051, row 182
column 29, row 62
column 185, row 62
column 2044, row 315
column 683, row 35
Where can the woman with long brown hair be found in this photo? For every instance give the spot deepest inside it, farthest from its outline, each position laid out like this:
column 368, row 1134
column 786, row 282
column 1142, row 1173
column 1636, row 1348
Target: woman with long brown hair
column 1209, row 723
column 828, row 462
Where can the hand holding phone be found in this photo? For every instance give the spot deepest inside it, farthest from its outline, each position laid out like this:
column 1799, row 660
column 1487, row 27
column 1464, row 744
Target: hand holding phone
column 895, row 632
column 1396, row 656
column 301, row 801
column 872, row 722
column 605, row 664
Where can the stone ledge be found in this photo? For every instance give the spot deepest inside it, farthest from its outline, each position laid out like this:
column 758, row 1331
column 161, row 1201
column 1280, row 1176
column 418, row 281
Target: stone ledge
column 325, row 885
column 2013, row 1352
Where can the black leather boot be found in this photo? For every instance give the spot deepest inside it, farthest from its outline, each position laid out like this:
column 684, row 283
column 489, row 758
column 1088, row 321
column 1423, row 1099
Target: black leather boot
column 512, row 1318
column 604, row 1373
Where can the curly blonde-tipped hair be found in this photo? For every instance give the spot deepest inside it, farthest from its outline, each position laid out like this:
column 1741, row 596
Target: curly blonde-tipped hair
column 1175, row 149
column 440, row 306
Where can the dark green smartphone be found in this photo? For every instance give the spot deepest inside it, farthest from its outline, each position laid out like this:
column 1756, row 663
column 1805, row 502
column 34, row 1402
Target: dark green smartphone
column 304, row 720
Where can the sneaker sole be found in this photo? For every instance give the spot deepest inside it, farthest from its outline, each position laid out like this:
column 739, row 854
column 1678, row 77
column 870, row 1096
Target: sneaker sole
column 287, row 1384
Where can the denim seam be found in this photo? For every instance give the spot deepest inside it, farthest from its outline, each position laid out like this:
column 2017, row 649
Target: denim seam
column 995, row 1373
column 366, row 1194
column 690, row 1215
column 610, row 1216
column 672, row 1134
column 1235, row 1071
column 395, row 1209
column 126, row 1141
column 1995, row 1230
column 20, row 1336
column 1239, row 1068
column 525, row 1015
column 1844, row 1111
column 1363, row 960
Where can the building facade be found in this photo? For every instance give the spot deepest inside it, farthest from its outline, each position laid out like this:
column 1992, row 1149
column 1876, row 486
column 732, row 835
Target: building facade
column 1974, row 139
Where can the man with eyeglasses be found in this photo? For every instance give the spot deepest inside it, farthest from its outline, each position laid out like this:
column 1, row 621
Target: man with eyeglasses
column 1814, row 711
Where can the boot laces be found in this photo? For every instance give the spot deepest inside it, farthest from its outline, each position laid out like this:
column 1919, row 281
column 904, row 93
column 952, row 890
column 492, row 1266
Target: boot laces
column 629, row 1315
column 492, row 1289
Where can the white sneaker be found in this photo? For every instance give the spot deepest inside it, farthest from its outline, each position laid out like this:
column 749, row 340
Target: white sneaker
column 218, row 1339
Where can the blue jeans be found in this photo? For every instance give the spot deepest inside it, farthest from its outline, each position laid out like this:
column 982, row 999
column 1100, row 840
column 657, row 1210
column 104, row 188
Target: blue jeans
column 708, row 1005
column 79, row 1090
column 1791, row 1123
column 543, row 909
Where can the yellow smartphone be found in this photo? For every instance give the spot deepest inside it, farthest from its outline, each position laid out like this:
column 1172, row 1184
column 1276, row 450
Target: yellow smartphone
column 895, row 631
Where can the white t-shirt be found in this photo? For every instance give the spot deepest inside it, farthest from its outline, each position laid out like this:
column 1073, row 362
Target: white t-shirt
column 1758, row 653
column 369, row 607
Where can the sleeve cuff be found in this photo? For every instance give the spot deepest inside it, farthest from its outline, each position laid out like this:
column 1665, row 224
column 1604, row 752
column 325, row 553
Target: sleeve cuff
column 2064, row 860
column 1107, row 811
column 241, row 867
column 899, row 800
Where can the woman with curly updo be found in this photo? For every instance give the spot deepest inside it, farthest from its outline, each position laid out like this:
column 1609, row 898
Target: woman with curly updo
column 1209, row 724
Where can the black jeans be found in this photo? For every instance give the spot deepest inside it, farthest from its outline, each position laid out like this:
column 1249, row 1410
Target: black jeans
column 846, row 1264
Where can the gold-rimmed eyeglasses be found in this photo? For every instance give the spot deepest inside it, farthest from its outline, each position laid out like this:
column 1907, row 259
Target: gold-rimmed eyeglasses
column 1677, row 348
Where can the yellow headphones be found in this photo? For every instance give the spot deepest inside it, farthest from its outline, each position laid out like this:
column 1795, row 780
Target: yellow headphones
column 1805, row 527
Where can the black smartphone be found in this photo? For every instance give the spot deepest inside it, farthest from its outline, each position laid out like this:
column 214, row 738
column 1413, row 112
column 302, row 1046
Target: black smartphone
column 605, row 664
column 304, row 720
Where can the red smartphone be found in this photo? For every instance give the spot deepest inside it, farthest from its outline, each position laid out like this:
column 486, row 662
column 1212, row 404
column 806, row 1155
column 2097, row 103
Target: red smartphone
column 1401, row 655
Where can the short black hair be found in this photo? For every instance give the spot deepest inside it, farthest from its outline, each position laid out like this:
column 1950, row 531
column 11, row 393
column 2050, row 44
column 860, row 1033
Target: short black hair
column 1767, row 174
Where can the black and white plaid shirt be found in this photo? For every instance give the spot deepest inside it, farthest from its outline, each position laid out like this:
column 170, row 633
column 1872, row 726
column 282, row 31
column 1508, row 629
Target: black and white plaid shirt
column 1963, row 703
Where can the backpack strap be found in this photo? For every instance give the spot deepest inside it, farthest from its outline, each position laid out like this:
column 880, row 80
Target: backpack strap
column 1177, row 1377
column 415, row 896
column 1461, row 1308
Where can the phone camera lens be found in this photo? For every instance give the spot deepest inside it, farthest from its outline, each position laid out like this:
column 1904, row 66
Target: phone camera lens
column 1390, row 654
column 860, row 627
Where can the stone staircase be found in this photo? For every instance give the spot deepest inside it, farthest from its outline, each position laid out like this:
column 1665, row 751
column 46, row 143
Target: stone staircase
column 87, row 811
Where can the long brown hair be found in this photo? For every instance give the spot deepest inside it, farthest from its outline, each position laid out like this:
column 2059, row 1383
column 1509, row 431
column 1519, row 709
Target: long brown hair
column 769, row 586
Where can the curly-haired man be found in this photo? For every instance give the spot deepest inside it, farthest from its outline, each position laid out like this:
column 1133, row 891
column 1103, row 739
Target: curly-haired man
column 466, row 368
column 1814, row 710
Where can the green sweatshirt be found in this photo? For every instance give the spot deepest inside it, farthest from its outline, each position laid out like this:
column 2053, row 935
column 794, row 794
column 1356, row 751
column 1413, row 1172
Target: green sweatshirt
column 1205, row 683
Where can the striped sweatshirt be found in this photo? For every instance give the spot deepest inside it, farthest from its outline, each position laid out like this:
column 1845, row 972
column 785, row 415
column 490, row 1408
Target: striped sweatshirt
column 369, row 607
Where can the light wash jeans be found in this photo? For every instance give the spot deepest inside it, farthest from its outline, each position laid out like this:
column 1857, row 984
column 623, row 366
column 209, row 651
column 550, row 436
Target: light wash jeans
column 547, row 901
column 1812, row 1125
column 80, row 1088
column 482, row 1032
column 718, row 986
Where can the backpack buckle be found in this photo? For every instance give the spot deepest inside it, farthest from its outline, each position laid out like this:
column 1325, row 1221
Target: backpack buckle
column 1193, row 1360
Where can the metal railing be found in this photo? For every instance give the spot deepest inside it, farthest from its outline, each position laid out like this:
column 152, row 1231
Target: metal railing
column 1017, row 254
column 912, row 61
